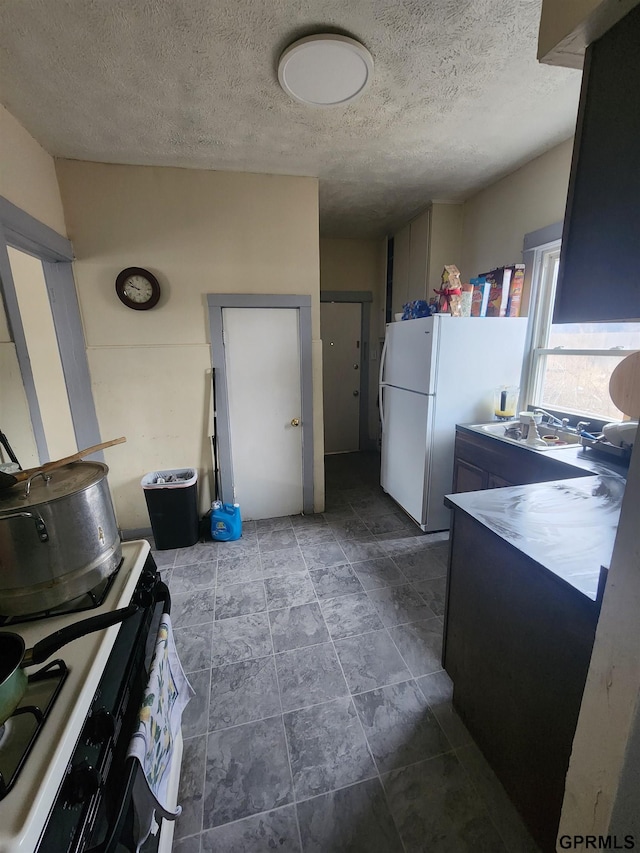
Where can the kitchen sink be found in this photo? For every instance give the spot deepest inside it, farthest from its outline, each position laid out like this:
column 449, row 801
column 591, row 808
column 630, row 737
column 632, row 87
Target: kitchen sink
column 563, row 438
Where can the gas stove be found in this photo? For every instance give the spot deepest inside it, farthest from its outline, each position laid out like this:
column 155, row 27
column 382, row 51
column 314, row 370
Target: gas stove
column 53, row 804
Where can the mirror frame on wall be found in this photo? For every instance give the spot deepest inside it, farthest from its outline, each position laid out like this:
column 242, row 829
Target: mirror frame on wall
column 22, row 231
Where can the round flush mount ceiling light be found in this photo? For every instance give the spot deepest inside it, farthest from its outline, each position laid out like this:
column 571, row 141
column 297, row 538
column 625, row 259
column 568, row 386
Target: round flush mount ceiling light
column 325, row 70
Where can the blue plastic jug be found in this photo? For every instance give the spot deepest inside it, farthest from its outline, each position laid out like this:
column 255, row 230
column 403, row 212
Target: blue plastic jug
column 226, row 523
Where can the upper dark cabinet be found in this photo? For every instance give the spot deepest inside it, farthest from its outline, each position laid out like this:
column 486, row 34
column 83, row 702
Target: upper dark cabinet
column 599, row 276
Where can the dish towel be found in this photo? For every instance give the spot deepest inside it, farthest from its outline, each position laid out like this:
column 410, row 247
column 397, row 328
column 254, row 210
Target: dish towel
column 165, row 698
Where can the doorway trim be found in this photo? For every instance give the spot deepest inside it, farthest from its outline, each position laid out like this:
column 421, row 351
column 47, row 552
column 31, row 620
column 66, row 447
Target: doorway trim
column 22, row 231
column 302, row 302
column 365, row 298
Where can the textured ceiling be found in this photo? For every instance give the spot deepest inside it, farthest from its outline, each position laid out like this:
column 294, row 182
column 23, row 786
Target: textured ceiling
column 457, row 100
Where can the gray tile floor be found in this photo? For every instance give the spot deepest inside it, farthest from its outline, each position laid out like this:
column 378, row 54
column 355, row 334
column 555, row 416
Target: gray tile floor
column 322, row 719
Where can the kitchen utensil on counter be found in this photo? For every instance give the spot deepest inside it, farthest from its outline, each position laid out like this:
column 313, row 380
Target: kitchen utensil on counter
column 533, row 438
column 8, row 480
column 13, row 657
column 551, row 439
column 58, row 541
column 589, row 435
column 528, row 418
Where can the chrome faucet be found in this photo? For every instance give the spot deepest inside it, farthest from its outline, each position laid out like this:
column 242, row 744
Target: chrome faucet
column 553, row 421
column 562, row 424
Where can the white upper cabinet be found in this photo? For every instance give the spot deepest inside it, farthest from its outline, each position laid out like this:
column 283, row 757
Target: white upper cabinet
column 421, row 249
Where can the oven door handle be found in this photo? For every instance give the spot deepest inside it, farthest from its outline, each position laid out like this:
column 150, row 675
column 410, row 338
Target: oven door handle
column 113, row 839
column 161, row 593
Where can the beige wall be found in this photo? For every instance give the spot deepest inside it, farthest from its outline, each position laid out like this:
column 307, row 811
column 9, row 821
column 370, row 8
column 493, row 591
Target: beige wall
column 360, row 265
column 198, row 232
column 15, row 419
column 491, row 225
column 28, row 180
column 27, row 174
column 46, row 366
column 445, row 240
column 496, row 219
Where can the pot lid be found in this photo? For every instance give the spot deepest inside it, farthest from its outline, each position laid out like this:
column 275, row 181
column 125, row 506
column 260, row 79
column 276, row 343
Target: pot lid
column 60, row 483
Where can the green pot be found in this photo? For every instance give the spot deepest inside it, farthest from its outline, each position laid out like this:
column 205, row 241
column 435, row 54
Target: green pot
column 13, row 681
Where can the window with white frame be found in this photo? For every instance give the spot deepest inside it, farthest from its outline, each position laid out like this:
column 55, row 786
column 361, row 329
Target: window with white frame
column 568, row 366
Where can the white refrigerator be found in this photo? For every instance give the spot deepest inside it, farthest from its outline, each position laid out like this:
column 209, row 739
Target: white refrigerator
column 436, row 372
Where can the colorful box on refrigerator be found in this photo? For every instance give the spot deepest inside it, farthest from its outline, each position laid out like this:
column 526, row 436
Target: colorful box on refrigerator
column 515, row 291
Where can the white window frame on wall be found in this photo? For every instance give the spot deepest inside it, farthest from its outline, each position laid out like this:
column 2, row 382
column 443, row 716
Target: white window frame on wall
column 540, row 248
column 22, row 231
column 543, row 284
column 541, row 256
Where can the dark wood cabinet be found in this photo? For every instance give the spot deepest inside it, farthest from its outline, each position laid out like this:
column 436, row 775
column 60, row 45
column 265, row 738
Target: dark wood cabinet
column 494, row 482
column 517, row 647
column 468, row 477
column 600, row 261
column 482, row 462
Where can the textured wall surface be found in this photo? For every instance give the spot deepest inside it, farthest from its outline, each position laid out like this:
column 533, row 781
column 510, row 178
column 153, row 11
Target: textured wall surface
column 28, row 173
column 457, row 100
column 198, row 232
column 496, row 219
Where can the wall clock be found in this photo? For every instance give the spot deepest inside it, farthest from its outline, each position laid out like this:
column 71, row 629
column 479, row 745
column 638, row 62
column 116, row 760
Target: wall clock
column 137, row 288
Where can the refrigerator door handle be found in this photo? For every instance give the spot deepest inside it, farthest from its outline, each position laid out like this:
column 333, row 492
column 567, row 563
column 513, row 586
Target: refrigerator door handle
column 380, row 385
column 383, row 358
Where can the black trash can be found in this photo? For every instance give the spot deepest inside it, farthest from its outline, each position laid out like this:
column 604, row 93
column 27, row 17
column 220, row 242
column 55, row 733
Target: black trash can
column 172, row 502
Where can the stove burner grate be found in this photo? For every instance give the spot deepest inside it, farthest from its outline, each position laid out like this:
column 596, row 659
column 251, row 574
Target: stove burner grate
column 87, row 601
column 21, row 730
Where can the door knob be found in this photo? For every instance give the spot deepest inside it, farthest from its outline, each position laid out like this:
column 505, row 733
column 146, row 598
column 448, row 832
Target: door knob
column 356, row 393
column 295, row 421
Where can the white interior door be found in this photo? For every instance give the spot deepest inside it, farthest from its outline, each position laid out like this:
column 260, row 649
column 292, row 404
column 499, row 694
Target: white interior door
column 262, row 360
column 340, row 327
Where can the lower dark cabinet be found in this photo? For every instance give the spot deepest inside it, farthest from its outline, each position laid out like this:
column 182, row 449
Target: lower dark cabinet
column 468, row 477
column 517, row 645
column 495, row 482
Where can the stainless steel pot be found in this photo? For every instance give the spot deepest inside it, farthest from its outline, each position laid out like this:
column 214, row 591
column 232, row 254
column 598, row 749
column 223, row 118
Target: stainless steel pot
column 58, row 538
